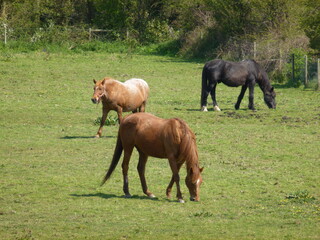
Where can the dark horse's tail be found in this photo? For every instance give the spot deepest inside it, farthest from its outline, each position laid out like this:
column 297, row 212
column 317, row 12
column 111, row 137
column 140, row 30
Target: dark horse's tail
column 116, row 157
column 204, row 87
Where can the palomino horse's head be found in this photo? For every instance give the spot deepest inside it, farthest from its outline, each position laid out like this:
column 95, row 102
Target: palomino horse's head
column 269, row 98
column 99, row 91
column 193, row 182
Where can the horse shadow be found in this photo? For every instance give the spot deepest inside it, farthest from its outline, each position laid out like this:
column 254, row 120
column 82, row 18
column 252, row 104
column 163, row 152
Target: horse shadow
column 109, row 196
column 84, row 137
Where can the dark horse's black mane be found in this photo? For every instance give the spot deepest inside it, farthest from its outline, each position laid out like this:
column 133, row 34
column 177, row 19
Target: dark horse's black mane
column 245, row 73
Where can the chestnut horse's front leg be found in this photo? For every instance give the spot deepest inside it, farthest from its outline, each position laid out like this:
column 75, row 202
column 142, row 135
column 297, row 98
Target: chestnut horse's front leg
column 168, row 191
column 105, row 111
column 176, row 177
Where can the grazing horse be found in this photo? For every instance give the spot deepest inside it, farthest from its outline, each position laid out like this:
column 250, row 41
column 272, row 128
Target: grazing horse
column 160, row 138
column 121, row 97
column 245, row 73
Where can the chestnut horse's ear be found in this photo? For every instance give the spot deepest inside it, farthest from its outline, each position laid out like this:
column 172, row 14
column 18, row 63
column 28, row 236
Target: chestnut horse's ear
column 94, row 81
column 103, row 81
column 201, row 169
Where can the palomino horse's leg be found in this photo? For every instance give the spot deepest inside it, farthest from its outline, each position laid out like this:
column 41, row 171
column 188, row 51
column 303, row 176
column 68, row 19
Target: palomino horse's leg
column 141, row 169
column 251, row 96
column 176, row 177
column 105, row 112
column 142, row 107
column 125, row 168
column 243, row 90
column 119, row 112
column 168, row 192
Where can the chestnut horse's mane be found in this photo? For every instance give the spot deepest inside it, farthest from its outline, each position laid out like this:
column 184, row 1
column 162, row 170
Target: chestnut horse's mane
column 188, row 149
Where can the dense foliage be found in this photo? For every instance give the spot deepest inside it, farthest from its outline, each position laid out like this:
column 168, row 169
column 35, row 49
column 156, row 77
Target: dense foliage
column 194, row 22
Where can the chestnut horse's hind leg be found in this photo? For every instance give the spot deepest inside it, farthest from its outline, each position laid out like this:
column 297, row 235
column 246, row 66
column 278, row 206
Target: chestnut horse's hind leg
column 125, row 168
column 243, row 90
column 141, row 169
column 168, row 192
column 105, row 112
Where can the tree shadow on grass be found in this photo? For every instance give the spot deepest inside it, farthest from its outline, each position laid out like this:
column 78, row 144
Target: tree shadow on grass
column 108, row 196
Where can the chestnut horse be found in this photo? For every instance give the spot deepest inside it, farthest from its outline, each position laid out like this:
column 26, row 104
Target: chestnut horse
column 245, row 73
column 160, row 138
column 121, row 97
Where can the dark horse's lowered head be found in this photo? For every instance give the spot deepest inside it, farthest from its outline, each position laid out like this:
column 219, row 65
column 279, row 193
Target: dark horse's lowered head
column 245, row 73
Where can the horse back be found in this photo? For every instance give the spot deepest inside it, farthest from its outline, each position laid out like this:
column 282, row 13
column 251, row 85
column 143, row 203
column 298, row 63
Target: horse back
column 129, row 95
column 151, row 135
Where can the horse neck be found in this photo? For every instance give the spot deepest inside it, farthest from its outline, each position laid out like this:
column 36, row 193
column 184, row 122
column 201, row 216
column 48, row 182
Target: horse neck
column 188, row 149
column 264, row 82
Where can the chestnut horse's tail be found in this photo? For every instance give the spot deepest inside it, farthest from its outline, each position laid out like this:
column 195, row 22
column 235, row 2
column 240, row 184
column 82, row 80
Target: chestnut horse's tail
column 116, row 157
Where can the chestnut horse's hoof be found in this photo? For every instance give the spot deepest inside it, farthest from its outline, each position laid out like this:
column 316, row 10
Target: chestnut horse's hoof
column 181, row 201
column 152, row 196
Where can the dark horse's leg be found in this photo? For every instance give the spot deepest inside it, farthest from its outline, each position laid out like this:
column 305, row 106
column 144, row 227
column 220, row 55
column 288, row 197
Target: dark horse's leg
column 141, row 169
column 213, row 96
column 243, row 90
column 251, row 96
column 105, row 112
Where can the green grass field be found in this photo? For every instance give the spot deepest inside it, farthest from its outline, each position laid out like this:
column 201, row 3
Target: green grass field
column 261, row 176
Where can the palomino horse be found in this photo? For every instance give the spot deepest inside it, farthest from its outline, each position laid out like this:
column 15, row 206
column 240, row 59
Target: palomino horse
column 245, row 73
column 121, row 97
column 160, row 138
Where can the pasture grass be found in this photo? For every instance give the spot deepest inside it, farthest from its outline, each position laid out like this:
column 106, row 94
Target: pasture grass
column 261, row 176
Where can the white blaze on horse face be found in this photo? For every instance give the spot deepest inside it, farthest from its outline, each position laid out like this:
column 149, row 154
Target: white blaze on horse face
column 198, row 181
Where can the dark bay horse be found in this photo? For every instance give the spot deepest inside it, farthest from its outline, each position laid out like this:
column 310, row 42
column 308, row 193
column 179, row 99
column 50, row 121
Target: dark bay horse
column 121, row 97
column 160, row 138
column 245, row 73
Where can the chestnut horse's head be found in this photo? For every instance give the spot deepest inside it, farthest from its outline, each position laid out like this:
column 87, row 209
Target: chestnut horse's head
column 193, row 182
column 99, row 90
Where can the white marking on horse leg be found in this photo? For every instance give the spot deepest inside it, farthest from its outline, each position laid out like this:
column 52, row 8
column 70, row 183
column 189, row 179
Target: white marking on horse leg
column 204, row 109
column 181, row 201
column 151, row 196
column 216, row 108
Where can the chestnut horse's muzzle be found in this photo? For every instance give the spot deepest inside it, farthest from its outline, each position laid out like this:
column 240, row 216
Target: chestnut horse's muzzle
column 194, row 199
column 94, row 100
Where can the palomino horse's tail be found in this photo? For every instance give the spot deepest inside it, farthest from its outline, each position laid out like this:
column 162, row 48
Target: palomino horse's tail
column 204, row 87
column 116, row 157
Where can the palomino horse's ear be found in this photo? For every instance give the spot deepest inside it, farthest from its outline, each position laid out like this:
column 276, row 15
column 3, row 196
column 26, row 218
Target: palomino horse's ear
column 94, row 81
column 201, row 169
